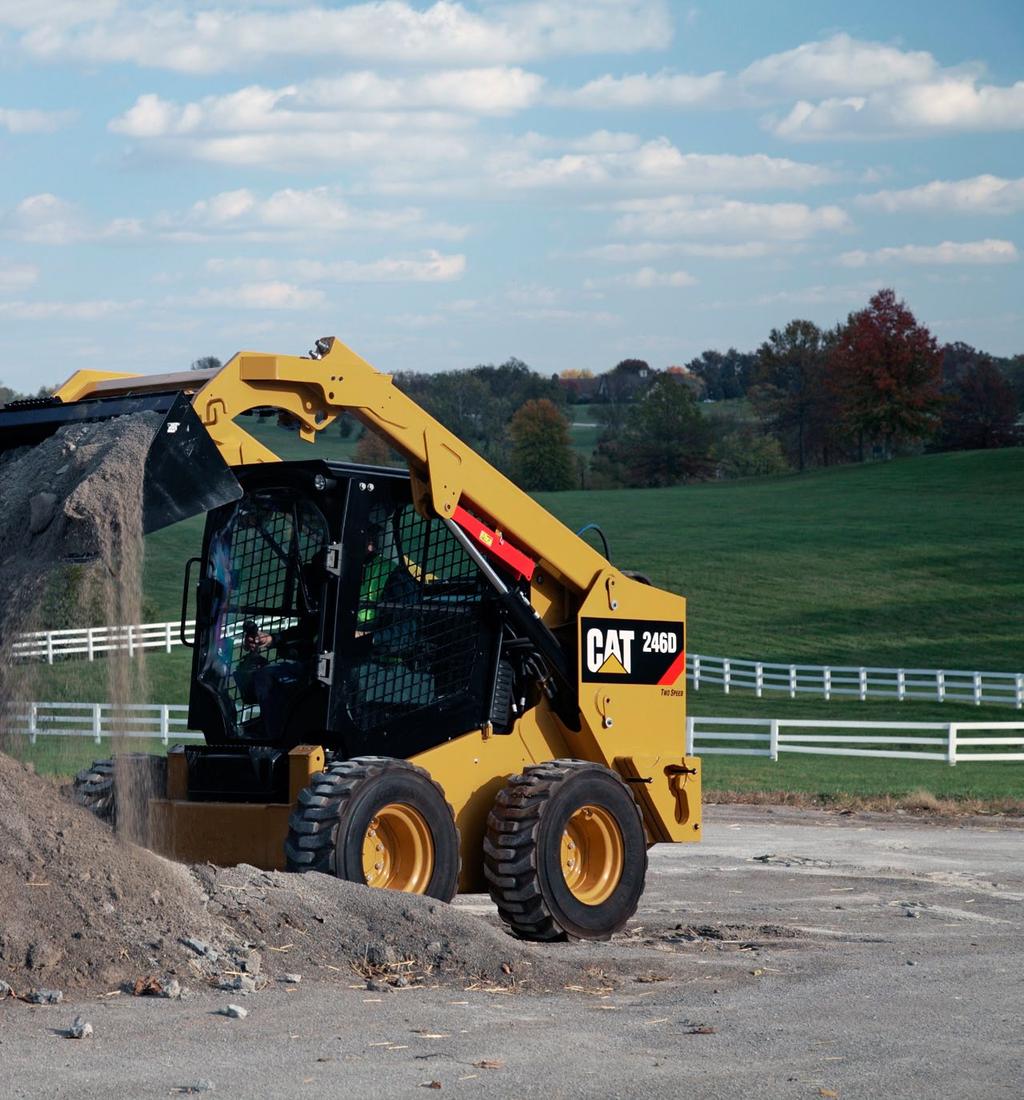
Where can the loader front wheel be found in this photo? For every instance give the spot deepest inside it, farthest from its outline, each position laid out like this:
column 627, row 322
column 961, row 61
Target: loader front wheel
column 565, row 852
column 379, row 821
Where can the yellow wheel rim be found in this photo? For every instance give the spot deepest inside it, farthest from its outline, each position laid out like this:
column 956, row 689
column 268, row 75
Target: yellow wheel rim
column 593, row 854
column 398, row 850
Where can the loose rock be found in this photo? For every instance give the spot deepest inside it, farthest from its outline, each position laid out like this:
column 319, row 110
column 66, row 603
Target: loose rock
column 153, row 986
column 79, row 1029
column 44, row 997
column 290, row 979
column 234, row 1012
column 241, row 984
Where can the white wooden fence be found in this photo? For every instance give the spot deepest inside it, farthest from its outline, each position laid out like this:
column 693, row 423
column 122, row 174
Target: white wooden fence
column 166, row 722
column 860, row 682
column 951, row 742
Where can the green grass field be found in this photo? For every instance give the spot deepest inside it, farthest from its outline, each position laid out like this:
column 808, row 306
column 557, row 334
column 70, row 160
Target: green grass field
column 913, row 563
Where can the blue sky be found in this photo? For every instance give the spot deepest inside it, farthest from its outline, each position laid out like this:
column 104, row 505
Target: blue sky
column 442, row 184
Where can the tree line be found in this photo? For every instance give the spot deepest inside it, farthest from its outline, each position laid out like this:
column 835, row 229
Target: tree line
column 876, row 386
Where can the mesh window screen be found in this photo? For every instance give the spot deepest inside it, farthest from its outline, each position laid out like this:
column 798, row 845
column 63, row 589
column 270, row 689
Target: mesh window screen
column 421, row 606
column 259, row 558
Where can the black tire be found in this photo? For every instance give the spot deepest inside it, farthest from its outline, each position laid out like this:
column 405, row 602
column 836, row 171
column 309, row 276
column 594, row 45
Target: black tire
column 95, row 787
column 327, row 829
column 523, row 851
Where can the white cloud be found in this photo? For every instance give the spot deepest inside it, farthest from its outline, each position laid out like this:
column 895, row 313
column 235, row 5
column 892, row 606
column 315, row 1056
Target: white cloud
column 645, row 278
column 94, row 310
column 31, row 121
column 662, row 89
column 48, row 219
column 819, row 294
column 977, row 195
column 443, row 33
column 948, row 252
column 646, row 251
column 293, row 213
column 648, row 165
column 479, row 91
column 839, row 65
column 945, row 105
column 428, row 267
column 274, row 295
column 683, row 216
column 17, row 277
column 357, row 102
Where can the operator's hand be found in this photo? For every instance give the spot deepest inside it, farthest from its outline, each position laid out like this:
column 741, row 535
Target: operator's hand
column 257, row 642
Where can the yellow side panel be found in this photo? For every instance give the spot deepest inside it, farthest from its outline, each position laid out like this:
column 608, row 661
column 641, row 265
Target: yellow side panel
column 668, row 792
column 474, row 767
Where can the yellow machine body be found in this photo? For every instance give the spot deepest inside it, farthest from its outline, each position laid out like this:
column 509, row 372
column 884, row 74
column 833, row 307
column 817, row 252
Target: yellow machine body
column 635, row 728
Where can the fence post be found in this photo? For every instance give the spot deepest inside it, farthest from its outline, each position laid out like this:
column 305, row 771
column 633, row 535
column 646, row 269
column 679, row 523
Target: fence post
column 90, row 644
column 131, row 646
column 165, row 722
column 792, row 681
column 97, row 724
column 33, row 719
column 940, row 685
column 827, row 678
column 951, row 731
column 901, row 684
column 1020, row 690
column 167, row 637
column 977, row 689
column 696, row 672
column 688, row 748
column 863, row 684
column 49, row 648
column 773, row 739
column 726, row 675
column 759, row 679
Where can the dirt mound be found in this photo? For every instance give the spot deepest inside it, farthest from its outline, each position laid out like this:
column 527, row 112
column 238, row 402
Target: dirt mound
column 84, row 908
column 81, row 906
column 316, row 923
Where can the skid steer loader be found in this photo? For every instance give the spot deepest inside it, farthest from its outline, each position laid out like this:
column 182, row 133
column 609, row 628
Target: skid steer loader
column 415, row 680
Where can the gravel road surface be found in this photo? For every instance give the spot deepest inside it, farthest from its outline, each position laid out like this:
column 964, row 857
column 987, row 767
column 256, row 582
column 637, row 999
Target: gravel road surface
column 790, row 954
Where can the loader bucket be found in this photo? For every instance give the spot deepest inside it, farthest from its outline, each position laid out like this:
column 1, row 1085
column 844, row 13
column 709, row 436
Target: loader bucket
column 184, row 475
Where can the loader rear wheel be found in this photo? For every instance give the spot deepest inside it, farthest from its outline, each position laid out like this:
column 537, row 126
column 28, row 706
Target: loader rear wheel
column 379, row 821
column 565, row 852
column 95, row 787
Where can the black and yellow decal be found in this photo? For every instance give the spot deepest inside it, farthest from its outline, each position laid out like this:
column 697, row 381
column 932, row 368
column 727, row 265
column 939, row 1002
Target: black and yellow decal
column 632, row 651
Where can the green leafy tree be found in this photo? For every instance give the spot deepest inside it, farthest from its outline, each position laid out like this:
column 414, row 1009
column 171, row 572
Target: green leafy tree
column 886, row 371
column 725, row 374
column 791, row 394
column 542, row 458
column 206, row 362
column 664, row 441
column 742, row 450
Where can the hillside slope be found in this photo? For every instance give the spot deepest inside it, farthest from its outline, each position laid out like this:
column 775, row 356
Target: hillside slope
column 913, row 562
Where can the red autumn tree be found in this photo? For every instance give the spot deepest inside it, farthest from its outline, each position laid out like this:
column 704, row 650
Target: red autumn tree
column 886, row 371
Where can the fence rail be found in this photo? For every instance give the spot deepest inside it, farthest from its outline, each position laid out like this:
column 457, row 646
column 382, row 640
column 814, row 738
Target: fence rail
column 857, row 681
column 160, row 721
column 729, row 673
column 950, row 742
